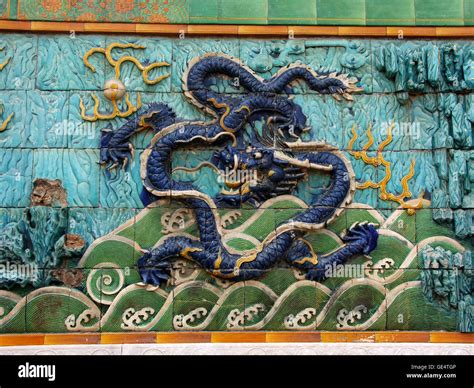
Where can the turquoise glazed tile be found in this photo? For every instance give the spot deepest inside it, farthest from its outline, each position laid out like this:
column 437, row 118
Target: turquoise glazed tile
column 20, row 51
column 92, row 224
column 413, row 66
column 324, row 115
column 61, row 66
column 387, row 71
column 243, row 12
column 121, row 188
column 13, row 102
column 383, row 13
column 78, row 171
column 9, row 214
column 292, row 12
column 384, row 111
column 267, row 57
column 203, row 11
column 424, row 125
column 450, row 79
column 351, row 57
column 47, row 115
column 81, row 176
column 341, row 12
column 436, row 13
column 82, row 133
column 206, row 180
column 16, row 166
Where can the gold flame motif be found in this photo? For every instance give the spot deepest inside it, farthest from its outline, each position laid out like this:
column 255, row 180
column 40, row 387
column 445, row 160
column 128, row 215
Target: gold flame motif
column 4, row 125
column 116, row 64
column 379, row 160
column 116, row 110
column 2, row 65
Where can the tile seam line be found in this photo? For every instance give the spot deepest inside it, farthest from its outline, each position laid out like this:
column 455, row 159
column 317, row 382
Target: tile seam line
column 240, row 29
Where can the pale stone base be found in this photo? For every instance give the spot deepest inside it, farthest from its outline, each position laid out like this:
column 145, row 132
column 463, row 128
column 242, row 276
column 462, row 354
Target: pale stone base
column 246, row 349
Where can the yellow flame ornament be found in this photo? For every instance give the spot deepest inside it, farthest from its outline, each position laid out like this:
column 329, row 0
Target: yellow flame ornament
column 379, row 160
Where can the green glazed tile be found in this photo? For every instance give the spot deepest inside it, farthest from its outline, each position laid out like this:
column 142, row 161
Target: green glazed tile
column 13, row 9
column 381, row 12
column 344, row 12
column 469, row 12
column 3, row 9
column 410, row 309
column 294, row 12
column 441, row 13
column 243, row 12
column 203, row 11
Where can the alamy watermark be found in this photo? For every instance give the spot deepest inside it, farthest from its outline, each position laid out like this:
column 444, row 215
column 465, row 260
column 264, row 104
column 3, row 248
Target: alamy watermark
column 350, row 271
column 70, row 128
column 410, row 129
column 31, row 371
column 238, row 176
column 10, row 270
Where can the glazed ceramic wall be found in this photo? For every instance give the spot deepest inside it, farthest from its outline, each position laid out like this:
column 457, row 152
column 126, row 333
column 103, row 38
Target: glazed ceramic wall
column 283, row 12
column 72, row 230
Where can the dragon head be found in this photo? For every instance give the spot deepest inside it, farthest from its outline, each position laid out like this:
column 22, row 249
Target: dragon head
column 231, row 159
column 295, row 123
column 253, row 175
column 285, row 122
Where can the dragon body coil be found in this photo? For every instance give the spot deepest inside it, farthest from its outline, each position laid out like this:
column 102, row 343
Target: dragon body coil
column 279, row 170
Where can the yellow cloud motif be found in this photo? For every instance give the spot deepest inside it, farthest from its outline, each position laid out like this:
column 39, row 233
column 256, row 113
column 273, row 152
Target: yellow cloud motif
column 116, row 64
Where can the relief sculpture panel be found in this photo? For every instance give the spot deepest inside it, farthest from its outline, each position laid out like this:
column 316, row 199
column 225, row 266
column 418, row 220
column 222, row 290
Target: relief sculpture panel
column 160, row 184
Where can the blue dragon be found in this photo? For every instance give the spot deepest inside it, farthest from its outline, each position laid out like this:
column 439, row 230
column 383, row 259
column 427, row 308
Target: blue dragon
column 278, row 157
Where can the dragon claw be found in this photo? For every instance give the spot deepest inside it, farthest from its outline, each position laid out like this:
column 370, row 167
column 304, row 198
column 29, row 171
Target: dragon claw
column 364, row 234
